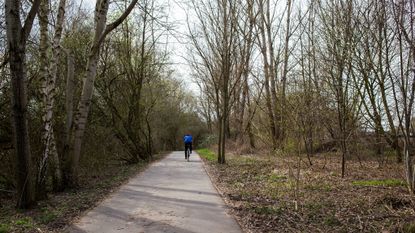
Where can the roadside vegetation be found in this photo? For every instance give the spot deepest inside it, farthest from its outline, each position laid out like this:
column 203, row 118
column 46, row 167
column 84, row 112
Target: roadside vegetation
column 278, row 193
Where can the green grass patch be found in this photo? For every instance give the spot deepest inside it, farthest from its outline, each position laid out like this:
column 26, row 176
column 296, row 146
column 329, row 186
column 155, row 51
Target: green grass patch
column 25, row 222
column 272, row 180
column 318, row 187
column 47, row 217
column 277, row 178
column 4, row 228
column 408, row 228
column 207, row 154
column 314, row 207
column 331, row 221
column 267, row 210
column 376, row 183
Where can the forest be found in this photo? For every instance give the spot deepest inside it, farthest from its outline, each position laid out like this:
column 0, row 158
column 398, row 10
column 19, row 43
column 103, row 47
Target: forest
column 302, row 113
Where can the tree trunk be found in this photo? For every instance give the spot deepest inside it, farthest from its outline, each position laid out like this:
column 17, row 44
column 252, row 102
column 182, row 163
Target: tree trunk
column 56, row 54
column 284, row 75
column 69, row 96
column 409, row 165
column 44, row 75
column 16, row 40
column 81, row 116
column 267, row 52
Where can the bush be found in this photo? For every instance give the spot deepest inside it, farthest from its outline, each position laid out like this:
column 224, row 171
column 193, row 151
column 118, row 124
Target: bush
column 208, row 140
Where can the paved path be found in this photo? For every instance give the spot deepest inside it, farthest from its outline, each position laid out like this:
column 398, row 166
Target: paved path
column 172, row 195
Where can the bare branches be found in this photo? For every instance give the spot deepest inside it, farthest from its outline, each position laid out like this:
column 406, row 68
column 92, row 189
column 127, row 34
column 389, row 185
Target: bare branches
column 118, row 21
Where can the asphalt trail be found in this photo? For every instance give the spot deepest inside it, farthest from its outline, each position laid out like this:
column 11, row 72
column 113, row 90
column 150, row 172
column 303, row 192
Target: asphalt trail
column 172, row 195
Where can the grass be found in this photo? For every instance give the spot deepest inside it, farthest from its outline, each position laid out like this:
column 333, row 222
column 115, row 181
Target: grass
column 379, row 183
column 267, row 210
column 4, row 228
column 47, row 217
column 207, row 154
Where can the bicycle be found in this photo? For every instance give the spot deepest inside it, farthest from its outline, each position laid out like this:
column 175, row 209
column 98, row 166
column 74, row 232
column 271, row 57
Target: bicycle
column 187, row 154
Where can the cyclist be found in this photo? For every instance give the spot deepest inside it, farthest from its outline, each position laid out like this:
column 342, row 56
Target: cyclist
column 187, row 139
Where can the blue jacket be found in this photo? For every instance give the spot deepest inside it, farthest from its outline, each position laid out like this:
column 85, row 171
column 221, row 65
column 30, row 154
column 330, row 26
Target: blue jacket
column 187, row 138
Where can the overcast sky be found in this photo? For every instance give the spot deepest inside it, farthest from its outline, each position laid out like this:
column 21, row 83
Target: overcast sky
column 177, row 50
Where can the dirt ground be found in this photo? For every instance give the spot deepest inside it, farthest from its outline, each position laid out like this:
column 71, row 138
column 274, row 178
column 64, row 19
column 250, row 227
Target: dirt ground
column 285, row 194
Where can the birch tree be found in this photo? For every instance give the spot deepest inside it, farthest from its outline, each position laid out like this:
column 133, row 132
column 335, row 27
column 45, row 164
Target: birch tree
column 81, row 114
column 49, row 74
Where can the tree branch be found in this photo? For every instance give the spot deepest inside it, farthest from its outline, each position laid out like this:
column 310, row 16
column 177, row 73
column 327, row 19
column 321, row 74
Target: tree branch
column 117, row 22
column 27, row 27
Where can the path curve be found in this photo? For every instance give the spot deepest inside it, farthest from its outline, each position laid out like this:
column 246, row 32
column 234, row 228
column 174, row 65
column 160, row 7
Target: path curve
column 172, row 195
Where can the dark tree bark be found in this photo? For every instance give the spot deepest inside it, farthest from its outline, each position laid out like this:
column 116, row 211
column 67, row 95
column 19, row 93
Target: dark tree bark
column 17, row 35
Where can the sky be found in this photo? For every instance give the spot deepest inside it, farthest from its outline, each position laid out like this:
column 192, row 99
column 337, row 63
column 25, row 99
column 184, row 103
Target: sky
column 176, row 46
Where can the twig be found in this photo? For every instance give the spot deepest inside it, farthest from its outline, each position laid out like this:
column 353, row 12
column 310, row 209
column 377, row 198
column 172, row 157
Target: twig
column 7, row 191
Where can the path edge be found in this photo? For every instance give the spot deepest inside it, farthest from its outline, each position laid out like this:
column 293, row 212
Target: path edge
column 223, row 197
column 113, row 192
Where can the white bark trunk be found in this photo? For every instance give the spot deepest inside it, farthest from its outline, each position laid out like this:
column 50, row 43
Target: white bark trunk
column 81, row 116
column 50, row 75
column 87, row 90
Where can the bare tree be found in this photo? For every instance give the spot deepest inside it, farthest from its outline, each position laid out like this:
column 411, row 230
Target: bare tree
column 17, row 36
column 223, row 48
column 404, row 81
column 266, row 42
column 338, row 35
column 373, row 57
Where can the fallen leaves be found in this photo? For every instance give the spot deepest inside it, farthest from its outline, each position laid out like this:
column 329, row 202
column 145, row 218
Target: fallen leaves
column 273, row 194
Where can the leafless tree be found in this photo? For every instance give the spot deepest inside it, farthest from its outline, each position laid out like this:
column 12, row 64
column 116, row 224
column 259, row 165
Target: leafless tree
column 17, row 36
column 403, row 81
column 337, row 32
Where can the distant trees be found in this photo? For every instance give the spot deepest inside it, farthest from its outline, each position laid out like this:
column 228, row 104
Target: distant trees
column 338, row 72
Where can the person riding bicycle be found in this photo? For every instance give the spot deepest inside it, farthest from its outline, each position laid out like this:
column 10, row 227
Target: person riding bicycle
column 187, row 139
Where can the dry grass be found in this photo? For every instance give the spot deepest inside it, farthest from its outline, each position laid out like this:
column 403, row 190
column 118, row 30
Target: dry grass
column 285, row 194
